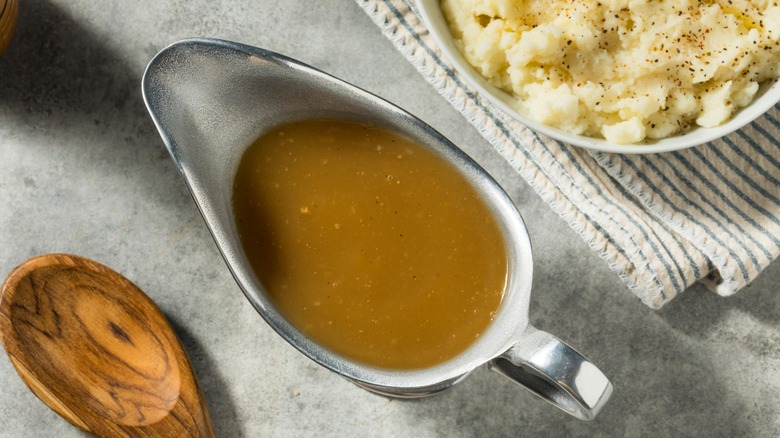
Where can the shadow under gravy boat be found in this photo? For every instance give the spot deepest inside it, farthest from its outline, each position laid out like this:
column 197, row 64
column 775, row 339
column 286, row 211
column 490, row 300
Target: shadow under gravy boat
column 211, row 99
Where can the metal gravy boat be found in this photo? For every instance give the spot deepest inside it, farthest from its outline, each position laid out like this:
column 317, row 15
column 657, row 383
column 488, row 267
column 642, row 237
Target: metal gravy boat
column 210, row 99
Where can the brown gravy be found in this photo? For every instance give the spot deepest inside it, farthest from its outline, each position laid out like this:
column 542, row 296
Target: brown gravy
column 371, row 245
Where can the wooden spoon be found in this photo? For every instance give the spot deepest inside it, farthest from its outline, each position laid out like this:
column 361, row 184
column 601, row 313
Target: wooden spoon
column 98, row 351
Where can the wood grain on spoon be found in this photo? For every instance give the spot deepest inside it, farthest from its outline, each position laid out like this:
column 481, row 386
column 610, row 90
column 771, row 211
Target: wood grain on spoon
column 98, row 351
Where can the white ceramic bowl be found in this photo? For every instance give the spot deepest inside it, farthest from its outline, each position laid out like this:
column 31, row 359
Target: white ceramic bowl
column 768, row 95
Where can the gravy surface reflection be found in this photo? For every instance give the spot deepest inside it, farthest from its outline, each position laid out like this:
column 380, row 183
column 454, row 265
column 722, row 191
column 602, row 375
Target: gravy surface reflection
column 371, row 245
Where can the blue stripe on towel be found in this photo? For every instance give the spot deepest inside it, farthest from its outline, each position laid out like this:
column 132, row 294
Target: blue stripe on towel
column 633, row 199
column 630, row 217
column 752, row 142
column 660, row 193
column 772, row 119
column 736, row 189
column 715, row 207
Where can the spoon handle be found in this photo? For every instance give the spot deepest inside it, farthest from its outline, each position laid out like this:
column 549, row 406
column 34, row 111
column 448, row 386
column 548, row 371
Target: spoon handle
column 98, row 351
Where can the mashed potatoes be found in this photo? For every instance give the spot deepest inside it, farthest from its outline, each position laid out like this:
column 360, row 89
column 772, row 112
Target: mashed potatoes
column 625, row 70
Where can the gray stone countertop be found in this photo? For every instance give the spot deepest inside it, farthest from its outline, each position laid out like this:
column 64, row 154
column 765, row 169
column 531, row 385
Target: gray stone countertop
column 83, row 170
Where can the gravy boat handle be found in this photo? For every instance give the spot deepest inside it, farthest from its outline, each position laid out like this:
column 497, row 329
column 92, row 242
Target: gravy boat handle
column 555, row 372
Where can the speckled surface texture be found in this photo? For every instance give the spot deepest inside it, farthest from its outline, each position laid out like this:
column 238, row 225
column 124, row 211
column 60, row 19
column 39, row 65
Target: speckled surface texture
column 82, row 170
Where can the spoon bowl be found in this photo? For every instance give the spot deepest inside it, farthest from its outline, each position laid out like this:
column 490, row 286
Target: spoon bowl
column 98, row 351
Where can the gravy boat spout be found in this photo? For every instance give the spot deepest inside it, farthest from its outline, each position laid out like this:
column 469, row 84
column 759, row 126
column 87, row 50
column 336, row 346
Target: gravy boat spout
column 211, row 99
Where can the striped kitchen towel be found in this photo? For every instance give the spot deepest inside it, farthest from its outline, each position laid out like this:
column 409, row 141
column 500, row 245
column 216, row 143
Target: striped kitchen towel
column 662, row 222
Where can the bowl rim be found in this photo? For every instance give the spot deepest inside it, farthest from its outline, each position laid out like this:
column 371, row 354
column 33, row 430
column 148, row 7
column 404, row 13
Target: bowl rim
column 766, row 97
